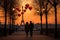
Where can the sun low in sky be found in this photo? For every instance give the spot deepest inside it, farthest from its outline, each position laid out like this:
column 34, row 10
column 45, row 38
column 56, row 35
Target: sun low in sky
column 31, row 15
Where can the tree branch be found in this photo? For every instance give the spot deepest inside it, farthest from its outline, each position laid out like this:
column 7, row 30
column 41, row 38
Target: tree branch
column 50, row 2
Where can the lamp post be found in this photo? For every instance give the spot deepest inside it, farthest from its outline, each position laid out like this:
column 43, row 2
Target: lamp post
column 41, row 14
column 41, row 32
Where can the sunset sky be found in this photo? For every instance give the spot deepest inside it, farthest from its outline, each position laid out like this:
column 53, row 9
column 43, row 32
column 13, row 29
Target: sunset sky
column 32, row 15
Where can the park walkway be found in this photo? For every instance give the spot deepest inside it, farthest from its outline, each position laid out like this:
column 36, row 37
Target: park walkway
column 21, row 36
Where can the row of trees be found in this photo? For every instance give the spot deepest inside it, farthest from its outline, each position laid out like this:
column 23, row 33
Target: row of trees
column 44, row 8
column 8, row 5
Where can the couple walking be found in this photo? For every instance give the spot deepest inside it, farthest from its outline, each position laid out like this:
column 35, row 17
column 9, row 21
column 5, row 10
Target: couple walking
column 29, row 28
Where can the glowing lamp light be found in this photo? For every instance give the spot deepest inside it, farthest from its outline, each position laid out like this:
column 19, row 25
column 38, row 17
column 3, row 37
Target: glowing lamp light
column 19, row 15
column 13, row 9
column 43, row 9
column 37, row 11
column 30, row 8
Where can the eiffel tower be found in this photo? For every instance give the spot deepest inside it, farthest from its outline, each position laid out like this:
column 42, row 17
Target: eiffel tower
column 22, row 21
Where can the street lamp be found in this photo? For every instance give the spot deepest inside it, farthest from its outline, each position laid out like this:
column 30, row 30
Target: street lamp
column 13, row 9
column 41, row 13
column 43, row 9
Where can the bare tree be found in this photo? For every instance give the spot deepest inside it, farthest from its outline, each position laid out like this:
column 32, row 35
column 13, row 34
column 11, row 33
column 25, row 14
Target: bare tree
column 41, row 5
column 12, row 4
column 55, row 9
column 7, row 5
column 54, row 4
column 46, row 13
column 45, row 6
column 5, row 8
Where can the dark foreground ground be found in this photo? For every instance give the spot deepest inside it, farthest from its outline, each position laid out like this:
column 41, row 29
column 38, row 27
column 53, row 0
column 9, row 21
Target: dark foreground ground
column 20, row 35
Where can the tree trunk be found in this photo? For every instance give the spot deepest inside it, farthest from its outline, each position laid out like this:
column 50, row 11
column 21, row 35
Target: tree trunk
column 46, row 13
column 56, row 34
column 5, row 8
column 41, row 5
column 46, row 25
column 41, row 24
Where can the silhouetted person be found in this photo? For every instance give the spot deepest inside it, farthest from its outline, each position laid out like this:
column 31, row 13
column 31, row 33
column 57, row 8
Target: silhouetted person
column 31, row 26
column 26, row 28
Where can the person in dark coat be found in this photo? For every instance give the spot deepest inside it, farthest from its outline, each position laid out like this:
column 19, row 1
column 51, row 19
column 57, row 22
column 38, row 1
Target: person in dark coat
column 26, row 28
column 31, row 26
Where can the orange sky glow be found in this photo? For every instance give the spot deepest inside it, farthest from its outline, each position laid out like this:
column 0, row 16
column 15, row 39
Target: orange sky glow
column 32, row 15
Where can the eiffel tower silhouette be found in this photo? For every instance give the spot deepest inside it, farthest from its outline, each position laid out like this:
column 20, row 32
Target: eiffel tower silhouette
column 22, row 21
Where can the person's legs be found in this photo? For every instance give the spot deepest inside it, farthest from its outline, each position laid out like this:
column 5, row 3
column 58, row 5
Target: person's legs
column 26, row 33
column 31, row 33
